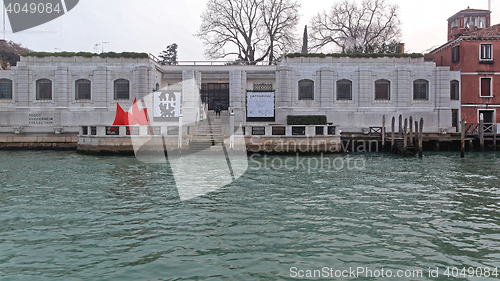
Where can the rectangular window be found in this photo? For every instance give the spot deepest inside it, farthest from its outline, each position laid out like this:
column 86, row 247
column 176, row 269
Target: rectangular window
column 263, row 87
column 306, row 89
column 485, row 87
column 279, row 131
column 331, row 130
column 82, row 89
column 298, row 131
column 420, row 89
column 486, row 52
column 258, row 131
column 344, row 90
column 454, row 118
column 382, row 90
column 455, row 54
column 320, row 131
column 5, row 89
column 455, row 90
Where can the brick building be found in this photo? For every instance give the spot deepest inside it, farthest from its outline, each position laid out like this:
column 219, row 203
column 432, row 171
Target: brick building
column 473, row 48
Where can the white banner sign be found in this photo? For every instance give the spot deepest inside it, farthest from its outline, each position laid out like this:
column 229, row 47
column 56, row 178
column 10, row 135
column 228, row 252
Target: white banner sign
column 167, row 105
column 260, row 104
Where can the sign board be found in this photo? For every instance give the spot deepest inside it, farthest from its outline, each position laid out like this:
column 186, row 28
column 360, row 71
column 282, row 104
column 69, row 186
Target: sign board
column 260, row 104
column 166, row 104
column 40, row 119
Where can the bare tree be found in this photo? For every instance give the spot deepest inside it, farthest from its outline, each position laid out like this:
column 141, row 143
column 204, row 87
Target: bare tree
column 253, row 30
column 347, row 25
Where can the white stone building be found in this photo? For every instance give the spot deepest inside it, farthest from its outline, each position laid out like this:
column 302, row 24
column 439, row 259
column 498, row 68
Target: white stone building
column 46, row 98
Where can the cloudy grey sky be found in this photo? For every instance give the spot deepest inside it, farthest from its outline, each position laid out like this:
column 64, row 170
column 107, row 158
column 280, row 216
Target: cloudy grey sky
column 150, row 25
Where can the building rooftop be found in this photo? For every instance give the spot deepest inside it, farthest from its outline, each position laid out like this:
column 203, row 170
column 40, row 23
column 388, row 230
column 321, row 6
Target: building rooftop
column 492, row 31
column 470, row 13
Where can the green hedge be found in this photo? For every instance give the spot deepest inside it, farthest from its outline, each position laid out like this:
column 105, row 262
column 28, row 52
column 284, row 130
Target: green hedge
column 86, row 54
column 354, row 55
column 306, row 119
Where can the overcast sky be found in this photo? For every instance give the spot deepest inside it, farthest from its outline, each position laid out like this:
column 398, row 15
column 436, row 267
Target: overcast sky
column 150, row 25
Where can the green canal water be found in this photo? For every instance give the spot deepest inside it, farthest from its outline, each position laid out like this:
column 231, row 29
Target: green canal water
column 65, row 216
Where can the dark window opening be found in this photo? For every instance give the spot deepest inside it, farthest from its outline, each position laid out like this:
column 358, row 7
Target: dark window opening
column 258, row 131
column 486, row 87
column 421, row 89
column 122, row 89
column 298, row 131
column 382, row 89
column 44, row 89
column 455, row 90
column 82, row 89
column 344, row 90
column 263, row 87
column 279, row 131
column 5, row 89
column 320, row 131
column 306, row 89
column 486, row 52
column 455, row 54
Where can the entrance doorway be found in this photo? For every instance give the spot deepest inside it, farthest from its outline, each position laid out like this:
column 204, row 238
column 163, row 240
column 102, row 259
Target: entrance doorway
column 454, row 119
column 489, row 118
column 488, row 115
column 215, row 94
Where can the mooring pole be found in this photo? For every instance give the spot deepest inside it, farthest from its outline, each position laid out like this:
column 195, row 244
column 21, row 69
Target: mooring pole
column 480, row 131
column 405, row 141
column 420, row 138
column 400, row 135
column 462, row 138
column 416, row 133
column 411, row 130
column 383, row 132
column 495, row 130
column 393, row 127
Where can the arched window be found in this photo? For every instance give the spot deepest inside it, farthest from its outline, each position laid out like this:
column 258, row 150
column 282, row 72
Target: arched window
column 382, row 89
column 420, row 89
column 5, row 89
column 82, row 89
column 43, row 89
column 122, row 89
column 454, row 90
column 344, row 89
column 306, row 89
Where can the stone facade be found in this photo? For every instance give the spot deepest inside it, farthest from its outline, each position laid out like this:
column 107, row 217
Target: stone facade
column 25, row 113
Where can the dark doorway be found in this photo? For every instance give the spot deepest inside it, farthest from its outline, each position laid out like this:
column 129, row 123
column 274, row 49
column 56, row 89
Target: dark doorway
column 454, row 119
column 488, row 116
column 488, row 120
column 215, row 94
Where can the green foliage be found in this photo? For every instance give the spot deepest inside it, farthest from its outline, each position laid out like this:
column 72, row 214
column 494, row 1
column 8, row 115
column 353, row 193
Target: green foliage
column 8, row 57
column 85, row 54
column 169, row 56
column 306, row 119
column 355, row 55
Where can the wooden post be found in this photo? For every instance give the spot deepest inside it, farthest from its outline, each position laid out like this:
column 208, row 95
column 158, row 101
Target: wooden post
column 411, row 130
column 405, row 141
column 383, row 132
column 420, row 138
column 462, row 138
column 416, row 134
column 495, row 136
column 400, row 135
column 393, row 133
column 480, row 131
